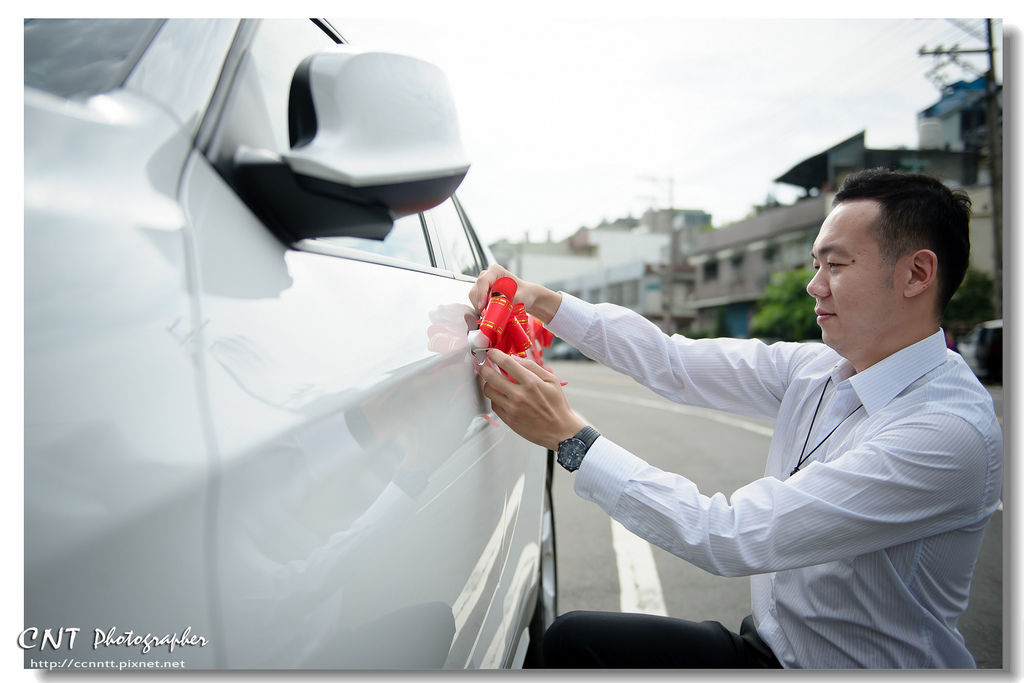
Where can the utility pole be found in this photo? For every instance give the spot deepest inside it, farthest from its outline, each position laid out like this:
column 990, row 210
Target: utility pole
column 995, row 146
column 668, row 271
column 668, row 181
column 995, row 159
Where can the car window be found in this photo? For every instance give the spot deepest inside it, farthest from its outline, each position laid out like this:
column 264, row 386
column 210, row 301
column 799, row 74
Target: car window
column 455, row 244
column 182, row 64
column 277, row 48
column 406, row 241
column 474, row 239
column 255, row 114
column 257, row 117
column 83, row 57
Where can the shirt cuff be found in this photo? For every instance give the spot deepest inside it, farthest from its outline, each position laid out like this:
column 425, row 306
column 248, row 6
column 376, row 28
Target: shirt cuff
column 605, row 472
column 572, row 319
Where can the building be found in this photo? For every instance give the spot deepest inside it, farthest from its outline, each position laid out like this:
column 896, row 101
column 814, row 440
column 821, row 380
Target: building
column 734, row 263
column 628, row 261
column 824, row 172
column 957, row 121
column 587, row 250
column 670, row 266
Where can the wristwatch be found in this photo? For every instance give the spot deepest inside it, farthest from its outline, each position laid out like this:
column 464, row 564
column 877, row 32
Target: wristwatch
column 572, row 450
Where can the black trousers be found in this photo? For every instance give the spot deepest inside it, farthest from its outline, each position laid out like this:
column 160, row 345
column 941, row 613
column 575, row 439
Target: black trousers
column 583, row 640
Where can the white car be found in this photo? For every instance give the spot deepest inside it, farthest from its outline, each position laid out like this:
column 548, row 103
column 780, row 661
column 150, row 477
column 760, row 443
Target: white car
column 254, row 433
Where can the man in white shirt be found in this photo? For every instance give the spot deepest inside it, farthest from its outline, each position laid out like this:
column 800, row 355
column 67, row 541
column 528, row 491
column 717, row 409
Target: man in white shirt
column 884, row 469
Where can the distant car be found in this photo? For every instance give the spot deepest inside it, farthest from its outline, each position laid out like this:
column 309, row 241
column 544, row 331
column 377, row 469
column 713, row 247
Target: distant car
column 254, row 434
column 982, row 348
column 562, row 350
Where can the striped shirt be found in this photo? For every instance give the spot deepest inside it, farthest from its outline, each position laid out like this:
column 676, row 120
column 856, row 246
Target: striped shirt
column 863, row 557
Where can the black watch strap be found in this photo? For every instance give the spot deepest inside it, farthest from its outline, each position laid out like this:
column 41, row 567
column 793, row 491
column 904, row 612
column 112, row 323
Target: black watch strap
column 572, row 451
column 588, row 435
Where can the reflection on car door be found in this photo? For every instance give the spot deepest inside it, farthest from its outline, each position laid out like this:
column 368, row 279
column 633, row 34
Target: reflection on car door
column 115, row 452
column 359, row 485
column 525, row 467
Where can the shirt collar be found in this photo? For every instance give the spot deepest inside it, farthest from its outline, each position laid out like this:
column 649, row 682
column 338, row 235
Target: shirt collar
column 883, row 381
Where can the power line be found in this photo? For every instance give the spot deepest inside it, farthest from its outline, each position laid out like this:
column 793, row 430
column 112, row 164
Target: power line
column 976, row 32
column 995, row 157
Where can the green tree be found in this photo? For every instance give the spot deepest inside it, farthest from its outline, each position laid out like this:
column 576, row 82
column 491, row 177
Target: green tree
column 786, row 311
column 971, row 304
column 721, row 323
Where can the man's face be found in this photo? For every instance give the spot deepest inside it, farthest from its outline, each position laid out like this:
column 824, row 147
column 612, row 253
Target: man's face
column 856, row 301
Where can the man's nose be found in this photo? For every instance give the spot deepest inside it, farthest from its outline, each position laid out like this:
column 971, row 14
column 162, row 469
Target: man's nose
column 817, row 287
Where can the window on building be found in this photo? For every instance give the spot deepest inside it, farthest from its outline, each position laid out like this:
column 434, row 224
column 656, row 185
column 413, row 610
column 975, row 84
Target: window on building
column 710, row 270
column 615, row 293
column 796, row 253
column 630, row 293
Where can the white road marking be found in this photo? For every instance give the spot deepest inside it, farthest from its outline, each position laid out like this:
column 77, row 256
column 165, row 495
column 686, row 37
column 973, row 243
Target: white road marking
column 692, row 411
column 639, row 583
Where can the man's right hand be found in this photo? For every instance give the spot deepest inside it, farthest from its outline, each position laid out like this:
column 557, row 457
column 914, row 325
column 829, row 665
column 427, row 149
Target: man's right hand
column 540, row 302
column 482, row 288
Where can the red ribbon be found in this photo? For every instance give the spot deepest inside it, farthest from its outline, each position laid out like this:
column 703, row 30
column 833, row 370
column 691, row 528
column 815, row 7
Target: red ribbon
column 508, row 326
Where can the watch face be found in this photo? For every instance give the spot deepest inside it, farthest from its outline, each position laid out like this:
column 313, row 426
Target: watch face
column 570, row 453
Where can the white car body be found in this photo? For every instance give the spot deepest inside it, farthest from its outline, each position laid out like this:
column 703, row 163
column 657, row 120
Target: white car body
column 281, row 449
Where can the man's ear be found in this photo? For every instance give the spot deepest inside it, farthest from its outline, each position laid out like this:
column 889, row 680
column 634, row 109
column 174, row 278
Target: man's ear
column 920, row 273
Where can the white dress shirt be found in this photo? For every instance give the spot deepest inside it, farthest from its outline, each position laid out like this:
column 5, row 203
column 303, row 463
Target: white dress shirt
column 864, row 557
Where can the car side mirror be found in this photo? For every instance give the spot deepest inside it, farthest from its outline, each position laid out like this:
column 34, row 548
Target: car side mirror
column 374, row 137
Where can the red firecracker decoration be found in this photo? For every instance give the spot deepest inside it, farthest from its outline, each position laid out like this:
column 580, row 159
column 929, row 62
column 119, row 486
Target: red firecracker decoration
column 505, row 324
column 509, row 328
column 499, row 311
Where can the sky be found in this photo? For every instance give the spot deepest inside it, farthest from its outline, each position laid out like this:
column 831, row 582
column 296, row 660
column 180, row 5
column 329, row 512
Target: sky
column 573, row 117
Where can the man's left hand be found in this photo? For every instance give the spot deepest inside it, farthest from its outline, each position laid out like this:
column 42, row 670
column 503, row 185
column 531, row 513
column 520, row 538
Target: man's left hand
column 535, row 405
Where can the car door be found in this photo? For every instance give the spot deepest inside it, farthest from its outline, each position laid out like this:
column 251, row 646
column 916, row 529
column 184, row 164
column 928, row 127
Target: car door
column 527, row 469
column 363, row 510
column 116, row 479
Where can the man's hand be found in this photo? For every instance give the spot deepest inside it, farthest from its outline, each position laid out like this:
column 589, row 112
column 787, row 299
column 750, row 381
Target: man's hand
column 534, row 406
column 482, row 287
column 540, row 302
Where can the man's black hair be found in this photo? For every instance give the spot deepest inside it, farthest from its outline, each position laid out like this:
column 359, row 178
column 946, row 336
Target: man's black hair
column 917, row 212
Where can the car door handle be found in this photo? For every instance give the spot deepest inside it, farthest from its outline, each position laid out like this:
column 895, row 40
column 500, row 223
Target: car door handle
column 478, row 345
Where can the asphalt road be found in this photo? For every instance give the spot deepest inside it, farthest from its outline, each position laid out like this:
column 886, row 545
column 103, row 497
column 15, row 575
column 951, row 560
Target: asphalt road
column 597, row 570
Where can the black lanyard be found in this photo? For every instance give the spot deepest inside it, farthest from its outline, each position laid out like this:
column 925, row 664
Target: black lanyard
column 803, row 458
